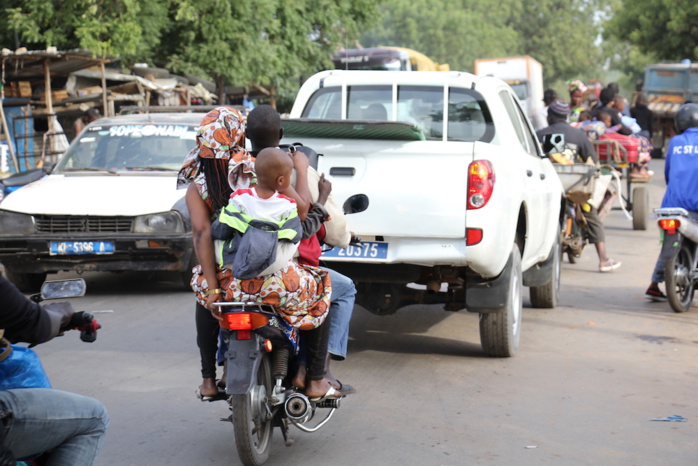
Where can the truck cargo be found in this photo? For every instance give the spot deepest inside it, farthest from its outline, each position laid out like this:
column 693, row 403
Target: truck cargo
column 524, row 75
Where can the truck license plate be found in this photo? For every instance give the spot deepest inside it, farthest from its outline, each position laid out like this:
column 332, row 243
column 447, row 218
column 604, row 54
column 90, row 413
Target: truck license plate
column 81, row 247
column 368, row 250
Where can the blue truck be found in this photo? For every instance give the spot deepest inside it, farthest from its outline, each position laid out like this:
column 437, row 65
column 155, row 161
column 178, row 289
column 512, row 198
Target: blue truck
column 667, row 87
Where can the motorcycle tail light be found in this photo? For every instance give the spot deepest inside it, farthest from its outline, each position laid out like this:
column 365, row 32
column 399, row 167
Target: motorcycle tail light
column 480, row 183
column 670, row 225
column 243, row 320
column 244, row 334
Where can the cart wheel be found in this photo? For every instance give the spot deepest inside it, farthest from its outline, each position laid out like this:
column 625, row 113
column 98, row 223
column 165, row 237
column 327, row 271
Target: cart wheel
column 640, row 206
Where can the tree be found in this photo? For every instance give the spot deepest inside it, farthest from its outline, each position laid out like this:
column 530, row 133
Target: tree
column 128, row 28
column 267, row 42
column 665, row 28
column 560, row 34
column 447, row 31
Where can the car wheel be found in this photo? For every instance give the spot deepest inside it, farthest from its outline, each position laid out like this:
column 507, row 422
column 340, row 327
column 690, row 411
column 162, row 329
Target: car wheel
column 26, row 282
column 500, row 331
column 545, row 296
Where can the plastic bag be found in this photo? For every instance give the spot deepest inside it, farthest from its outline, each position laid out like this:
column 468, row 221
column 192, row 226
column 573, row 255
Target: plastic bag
column 20, row 367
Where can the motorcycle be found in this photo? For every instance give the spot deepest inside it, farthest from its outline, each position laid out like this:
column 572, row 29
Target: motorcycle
column 679, row 252
column 261, row 361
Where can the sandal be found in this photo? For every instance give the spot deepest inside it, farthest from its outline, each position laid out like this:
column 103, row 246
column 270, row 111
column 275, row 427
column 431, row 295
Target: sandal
column 344, row 389
column 608, row 266
column 332, row 394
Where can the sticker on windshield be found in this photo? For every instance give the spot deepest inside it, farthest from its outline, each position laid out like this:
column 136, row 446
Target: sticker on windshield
column 84, row 140
column 175, row 131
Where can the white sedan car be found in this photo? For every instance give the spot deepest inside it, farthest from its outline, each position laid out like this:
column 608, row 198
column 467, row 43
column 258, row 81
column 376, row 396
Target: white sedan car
column 110, row 204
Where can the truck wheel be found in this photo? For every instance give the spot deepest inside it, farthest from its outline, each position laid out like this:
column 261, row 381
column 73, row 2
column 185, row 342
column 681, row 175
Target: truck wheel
column 545, row 296
column 500, row 331
column 679, row 285
column 26, row 282
column 641, row 202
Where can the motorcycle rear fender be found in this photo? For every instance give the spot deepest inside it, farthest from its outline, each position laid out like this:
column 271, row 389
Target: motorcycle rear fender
column 243, row 358
column 671, row 245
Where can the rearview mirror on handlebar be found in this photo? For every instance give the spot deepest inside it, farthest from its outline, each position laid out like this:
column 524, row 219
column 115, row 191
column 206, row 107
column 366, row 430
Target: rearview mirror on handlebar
column 60, row 289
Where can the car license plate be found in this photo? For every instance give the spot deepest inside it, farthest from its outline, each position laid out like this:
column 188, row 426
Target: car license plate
column 366, row 250
column 81, row 247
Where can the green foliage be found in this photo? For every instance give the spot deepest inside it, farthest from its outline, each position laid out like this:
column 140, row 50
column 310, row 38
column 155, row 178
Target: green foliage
column 129, row 28
column 667, row 29
column 560, row 34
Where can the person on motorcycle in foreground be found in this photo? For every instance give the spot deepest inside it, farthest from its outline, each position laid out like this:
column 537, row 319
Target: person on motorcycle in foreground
column 681, row 176
column 557, row 118
column 66, row 428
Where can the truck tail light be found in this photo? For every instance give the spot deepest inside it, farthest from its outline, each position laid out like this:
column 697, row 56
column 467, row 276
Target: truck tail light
column 480, row 183
column 473, row 236
column 670, row 225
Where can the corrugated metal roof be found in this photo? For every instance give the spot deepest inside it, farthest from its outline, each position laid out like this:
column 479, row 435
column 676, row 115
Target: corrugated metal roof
column 30, row 64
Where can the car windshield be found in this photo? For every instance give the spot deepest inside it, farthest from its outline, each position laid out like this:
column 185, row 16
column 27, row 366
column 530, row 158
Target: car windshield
column 129, row 148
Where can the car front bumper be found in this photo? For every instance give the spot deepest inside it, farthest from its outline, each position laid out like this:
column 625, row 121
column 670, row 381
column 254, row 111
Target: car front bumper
column 135, row 252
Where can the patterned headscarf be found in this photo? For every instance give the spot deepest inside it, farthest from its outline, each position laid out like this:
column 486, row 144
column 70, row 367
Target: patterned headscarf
column 576, row 84
column 221, row 136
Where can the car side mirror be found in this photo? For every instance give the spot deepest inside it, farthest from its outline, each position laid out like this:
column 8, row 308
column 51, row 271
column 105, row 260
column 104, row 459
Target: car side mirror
column 355, row 204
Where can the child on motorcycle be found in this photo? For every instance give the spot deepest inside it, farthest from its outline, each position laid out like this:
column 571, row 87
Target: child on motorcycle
column 258, row 233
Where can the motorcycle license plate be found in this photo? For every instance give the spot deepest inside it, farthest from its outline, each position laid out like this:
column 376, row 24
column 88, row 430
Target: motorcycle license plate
column 60, row 248
column 367, row 250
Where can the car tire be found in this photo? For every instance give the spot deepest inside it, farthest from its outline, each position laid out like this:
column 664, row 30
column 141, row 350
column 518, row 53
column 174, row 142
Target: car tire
column 545, row 296
column 26, row 282
column 500, row 330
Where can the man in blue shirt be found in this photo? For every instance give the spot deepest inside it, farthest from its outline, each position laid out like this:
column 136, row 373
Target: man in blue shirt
column 681, row 175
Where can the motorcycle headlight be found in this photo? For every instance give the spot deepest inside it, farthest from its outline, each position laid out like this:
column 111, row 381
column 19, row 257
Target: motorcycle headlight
column 165, row 222
column 13, row 224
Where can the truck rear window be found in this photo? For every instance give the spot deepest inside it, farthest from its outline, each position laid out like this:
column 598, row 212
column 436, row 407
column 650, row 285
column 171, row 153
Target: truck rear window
column 468, row 118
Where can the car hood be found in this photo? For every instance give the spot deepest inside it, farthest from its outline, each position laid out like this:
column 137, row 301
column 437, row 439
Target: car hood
column 127, row 195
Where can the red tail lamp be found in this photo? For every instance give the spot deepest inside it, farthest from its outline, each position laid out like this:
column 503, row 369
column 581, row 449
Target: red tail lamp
column 670, row 225
column 243, row 320
column 473, row 236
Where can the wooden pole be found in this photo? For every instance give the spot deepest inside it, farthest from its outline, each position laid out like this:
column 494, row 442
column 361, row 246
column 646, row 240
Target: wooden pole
column 104, row 91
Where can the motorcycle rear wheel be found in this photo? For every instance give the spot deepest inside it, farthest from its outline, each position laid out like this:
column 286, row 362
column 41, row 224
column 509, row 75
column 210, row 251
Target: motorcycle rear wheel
column 679, row 286
column 251, row 422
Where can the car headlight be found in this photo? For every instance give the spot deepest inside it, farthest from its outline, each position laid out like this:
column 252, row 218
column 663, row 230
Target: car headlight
column 165, row 222
column 13, row 224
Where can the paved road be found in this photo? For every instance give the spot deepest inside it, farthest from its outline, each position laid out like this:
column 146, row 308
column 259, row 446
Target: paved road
column 588, row 377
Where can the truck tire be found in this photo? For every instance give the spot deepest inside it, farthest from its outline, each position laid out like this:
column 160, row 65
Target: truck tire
column 500, row 331
column 545, row 296
column 641, row 203
column 26, row 282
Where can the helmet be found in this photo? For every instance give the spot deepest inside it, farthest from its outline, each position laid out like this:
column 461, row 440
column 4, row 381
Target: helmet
column 686, row 117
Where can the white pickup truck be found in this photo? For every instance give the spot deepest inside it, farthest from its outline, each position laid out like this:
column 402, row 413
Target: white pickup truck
column 463, row 207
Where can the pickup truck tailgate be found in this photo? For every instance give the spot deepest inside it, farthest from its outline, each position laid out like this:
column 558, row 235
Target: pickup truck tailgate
column 409, row 195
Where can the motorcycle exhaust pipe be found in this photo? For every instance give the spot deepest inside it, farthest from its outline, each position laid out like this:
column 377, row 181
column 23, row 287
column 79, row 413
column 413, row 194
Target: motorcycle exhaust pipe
column 297, row 407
